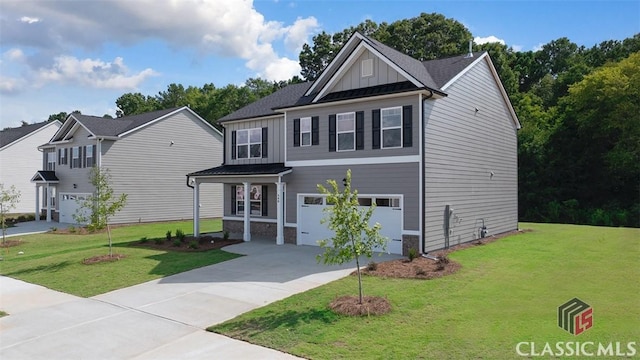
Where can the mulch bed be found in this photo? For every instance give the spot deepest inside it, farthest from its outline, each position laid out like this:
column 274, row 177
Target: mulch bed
column 371, row 305
column 419, row 268
column 189, row 244
column 102, row 259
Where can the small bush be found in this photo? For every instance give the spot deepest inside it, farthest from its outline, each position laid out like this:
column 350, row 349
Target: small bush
column 193, row 244
column 159, row 241
column 177, row 242
column 72, row 229
column 372, row 266
column 225, row 235
column 180, row 235
column 442, row 262
column 144, row 240
column 413, row 253
column 420, row 271
column 54, row 229
column 168, row 235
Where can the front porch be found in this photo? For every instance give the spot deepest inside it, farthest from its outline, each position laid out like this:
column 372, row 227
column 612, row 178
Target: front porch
column 46, row 184
column 250, row 186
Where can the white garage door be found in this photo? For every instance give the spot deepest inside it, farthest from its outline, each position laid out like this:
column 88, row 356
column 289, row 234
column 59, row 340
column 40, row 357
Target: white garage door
column 69, row 204
column 388, row 213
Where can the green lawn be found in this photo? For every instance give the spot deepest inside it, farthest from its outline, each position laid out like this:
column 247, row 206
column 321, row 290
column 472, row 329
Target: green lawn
column 55, row 260
column 506, row 292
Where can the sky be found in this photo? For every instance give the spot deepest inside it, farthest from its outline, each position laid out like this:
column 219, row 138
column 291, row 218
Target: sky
column 66, row 55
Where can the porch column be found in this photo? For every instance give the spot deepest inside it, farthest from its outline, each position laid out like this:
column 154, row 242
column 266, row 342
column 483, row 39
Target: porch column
column 37, row 202
column 247, row 212
column 196, row 209
column 280, row 228
column 48, row 202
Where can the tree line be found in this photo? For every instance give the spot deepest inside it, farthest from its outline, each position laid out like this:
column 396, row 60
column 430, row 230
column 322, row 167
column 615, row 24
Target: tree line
column 579, row 146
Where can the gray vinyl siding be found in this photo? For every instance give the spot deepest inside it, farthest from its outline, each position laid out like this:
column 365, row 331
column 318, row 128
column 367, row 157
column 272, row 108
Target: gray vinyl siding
column 382, row 74
column 147, row 166
column 275, row 152
column 78, row 176
column 462, row 148
column 272, row 201
column 379, row 179
column 321, row 151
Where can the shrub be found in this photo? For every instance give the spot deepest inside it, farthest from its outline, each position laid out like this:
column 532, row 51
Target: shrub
column 442, row 262
column 72, row 229
column 177, row 242
column 193, row 244
column 159, row 241
column 413, row 253
column 225, row 235
column 168, row 235
column 420, row 271
column 144, row 240
column 54, row 229
column 180, row 235
column 372, row 266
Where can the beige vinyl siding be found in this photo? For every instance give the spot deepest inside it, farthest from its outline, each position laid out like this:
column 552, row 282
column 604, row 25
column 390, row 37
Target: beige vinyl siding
column 275, row 149
column 378, row 179
column 463, row 147
column 382, row 74
column 20, row 160
column 321, row 151
column 147, row 166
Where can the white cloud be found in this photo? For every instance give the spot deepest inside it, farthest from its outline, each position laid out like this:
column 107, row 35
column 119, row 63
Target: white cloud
column 10, row 85
column 489, row 39
column 227, row 28
column 517, row 48
column 29, row 20
column 91, row 73
column 538, row 47
column 15, row 55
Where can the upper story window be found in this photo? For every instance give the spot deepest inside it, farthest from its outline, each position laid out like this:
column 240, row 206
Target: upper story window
column 249, row 143
column 62, row 157
column 346, row 126
column 391, row 127
column 305, row 131
column 88, row 151
column 75, row 157
column 51, row 161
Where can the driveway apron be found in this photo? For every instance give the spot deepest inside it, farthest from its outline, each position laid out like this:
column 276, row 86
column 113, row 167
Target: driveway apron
column 164, row 318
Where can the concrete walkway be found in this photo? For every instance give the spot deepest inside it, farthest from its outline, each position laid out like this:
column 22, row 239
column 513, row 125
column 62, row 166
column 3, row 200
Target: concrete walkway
column 161, row 319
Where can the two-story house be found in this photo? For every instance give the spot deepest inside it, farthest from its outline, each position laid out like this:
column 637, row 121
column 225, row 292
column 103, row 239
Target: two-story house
column 19, row 158
column 147, row 156
column 433, row 144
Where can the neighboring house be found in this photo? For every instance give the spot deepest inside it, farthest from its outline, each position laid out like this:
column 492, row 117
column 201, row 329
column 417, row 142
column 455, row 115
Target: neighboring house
column 433, row 144
column 20, row 158
column 147, row 156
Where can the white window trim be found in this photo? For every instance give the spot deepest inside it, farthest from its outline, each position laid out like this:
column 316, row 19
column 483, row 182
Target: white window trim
column 87, row 157
column 338, row 132
column 51, row 161
column 75, row 154
column 307, row 131
column 382, row 128
column 62, row 157
column 248, row 143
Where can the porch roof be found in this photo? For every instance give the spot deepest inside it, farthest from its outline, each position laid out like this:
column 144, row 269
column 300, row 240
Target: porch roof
column 44, row 176
column 249, row 170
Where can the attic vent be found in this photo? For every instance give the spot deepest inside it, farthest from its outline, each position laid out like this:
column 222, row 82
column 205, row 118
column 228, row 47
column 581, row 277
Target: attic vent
column 367, row 67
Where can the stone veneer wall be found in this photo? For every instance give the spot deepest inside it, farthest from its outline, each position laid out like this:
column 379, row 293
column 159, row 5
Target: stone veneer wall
column 260, row 229
column 410, row 242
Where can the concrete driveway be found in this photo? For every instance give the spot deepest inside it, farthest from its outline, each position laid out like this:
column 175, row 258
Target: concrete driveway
column 34, row 227
column 161, row 319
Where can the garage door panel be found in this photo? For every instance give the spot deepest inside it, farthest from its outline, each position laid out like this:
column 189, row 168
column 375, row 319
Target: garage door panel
column 70, row 204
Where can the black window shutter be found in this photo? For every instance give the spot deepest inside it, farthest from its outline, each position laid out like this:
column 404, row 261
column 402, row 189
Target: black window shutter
column 315, row 130
column 59, row 150
column 233, row 199
column 332, row 132
column 94, row 155
column 359, row 130
column 296, row 132
column 407, row 126
column 66, row 158
column 375, row 130
column 83, row 160
column 71, row 156
column 265, row 142
column 265, row 206
column 233, row 144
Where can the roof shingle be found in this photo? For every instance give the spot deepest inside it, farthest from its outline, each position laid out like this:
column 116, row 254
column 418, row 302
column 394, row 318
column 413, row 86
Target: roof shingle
column 9, row 135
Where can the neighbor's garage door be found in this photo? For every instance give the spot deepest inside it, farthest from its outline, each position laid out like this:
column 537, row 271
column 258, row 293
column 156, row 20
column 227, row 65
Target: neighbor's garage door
column 69, row 204
column 388, row 213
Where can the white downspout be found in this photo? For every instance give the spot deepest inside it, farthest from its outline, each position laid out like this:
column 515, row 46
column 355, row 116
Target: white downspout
column 196, row 209
column 280, row 215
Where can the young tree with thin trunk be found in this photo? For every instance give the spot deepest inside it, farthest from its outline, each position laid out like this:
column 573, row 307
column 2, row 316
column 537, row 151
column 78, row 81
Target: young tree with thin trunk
column 350, row 222
column 97, row 209
column 8, row 200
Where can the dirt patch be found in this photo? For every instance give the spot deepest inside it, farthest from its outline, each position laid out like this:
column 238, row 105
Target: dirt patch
column 188, row 244
column 102, row 259
column 419, row 268
column 11, row 243
column 371, row 305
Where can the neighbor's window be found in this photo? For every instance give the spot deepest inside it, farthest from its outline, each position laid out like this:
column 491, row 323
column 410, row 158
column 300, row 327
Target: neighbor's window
column 249, row 143
column 89, row 155
column 305, row 131
column 75, row 157
column 255, row 198
column 51, row 161
column 391, row 127
column 346, row 125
